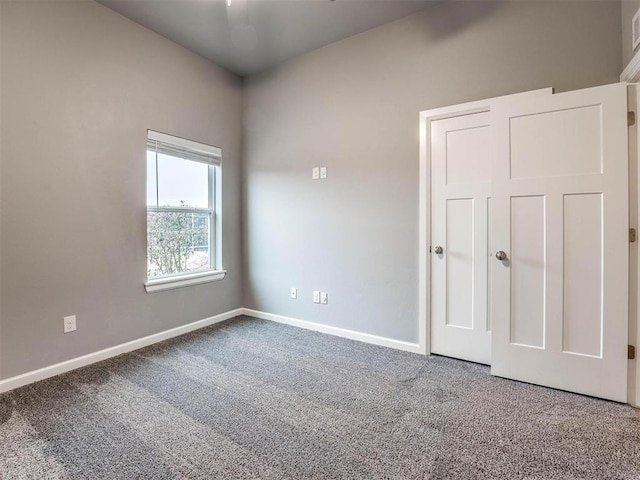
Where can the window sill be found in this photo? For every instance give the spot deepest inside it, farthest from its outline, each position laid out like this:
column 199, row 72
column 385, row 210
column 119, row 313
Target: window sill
column 169, row 283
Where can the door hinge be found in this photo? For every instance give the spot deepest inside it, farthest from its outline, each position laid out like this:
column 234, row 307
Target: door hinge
column 631, row 352
column 631, row 118
column 632, row 235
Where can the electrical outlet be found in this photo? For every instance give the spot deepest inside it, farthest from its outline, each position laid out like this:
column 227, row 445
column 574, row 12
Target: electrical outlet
column 70, row 324
column 294, row 293
column 324, row 298
column 316, row 296
column 323, row 172
column 315, row 173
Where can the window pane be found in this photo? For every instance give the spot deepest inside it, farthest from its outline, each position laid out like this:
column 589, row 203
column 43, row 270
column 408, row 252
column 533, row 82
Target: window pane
column 182, row 183
column 177, row 242
column 151, row 179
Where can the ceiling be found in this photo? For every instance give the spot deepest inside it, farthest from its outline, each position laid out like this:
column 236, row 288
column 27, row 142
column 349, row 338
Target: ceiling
column 250, row 36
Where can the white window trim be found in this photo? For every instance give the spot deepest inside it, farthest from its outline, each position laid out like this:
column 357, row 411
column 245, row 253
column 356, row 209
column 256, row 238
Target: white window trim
column 178, row 281
column 183, row 142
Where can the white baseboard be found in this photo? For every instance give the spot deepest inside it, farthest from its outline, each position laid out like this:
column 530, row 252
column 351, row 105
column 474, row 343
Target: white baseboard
column 74, row 363
column 63, row 367
column 57, row 369
column 338, row 332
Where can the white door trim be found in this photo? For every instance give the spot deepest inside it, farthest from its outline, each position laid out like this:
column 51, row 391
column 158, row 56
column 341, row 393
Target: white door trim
column 424, row 199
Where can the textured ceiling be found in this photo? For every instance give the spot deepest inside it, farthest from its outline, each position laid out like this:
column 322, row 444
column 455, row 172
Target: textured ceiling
column 253, row 35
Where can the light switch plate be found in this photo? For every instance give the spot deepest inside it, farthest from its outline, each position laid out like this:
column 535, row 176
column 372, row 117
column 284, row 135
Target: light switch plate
column 324, row 298
column 323, row 172
column 316, row 296
column 315, row 173
column 294, row 293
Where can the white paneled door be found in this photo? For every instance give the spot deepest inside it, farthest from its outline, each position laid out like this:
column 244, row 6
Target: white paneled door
column 460, row 276
column 559, row 187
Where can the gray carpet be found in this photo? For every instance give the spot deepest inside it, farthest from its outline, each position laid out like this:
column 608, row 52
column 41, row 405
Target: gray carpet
column 253, row 399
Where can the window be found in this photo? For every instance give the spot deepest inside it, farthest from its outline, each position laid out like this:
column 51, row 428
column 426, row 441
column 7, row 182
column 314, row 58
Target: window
column 183, row 212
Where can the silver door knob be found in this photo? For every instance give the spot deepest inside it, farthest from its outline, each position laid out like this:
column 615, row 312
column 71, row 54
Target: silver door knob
column 438, row 250
column 500, row 255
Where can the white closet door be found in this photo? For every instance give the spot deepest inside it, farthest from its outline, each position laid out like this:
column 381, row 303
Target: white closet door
column 461, row 184
column 560, row 205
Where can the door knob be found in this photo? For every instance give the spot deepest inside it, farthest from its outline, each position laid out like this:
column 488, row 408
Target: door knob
column 438, row 250
column 500, row 255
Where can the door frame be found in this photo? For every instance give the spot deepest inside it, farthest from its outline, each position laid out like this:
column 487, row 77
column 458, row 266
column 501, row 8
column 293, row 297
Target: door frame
column 424, row 199
column 633, row 367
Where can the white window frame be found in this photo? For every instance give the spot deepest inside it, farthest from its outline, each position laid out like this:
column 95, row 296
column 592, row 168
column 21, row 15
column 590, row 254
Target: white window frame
column 215, row 270
column 635, row 31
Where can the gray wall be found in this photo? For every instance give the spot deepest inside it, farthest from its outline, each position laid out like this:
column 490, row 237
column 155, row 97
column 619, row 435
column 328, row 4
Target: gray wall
column 353, row 106
column 80, row 87
column 628, row 10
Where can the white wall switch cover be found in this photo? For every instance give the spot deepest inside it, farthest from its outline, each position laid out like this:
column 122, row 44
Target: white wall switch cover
column 294, row 293
column 315, row 173
column 324, row 298
column 69, row 324
column 323, row 172
column 316, row 296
